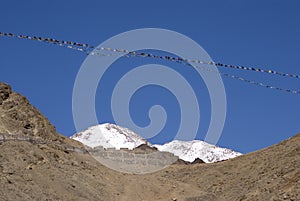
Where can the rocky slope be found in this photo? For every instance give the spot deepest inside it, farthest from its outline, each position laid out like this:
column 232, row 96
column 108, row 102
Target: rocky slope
column 30, row 170
column 19, row 117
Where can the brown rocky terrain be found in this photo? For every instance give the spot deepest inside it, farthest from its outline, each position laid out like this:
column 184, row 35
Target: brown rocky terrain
column 50, row 166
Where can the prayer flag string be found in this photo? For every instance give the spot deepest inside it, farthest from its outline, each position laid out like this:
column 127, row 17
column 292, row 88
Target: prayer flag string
column 92, row 50
column 83, row 47
column 202, row 68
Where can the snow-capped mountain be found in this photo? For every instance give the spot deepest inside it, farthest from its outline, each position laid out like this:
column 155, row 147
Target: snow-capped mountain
column 112, row 136
column 191, row 150
column 109, row 136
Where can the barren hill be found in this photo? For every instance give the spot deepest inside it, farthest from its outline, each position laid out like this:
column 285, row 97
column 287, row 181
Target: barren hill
column 48, row 166
column 19, row 117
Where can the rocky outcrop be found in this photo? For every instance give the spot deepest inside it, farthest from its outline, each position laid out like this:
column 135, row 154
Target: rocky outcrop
column 19, row 117
column 5, row 91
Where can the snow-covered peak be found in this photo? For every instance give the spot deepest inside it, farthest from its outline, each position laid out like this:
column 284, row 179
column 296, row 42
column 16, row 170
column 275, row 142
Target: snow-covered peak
column 112, row 136
column 191, row 150
column 109, row 136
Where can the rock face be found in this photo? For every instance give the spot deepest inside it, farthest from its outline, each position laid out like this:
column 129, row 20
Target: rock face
column 5, row 90
column 19, row 117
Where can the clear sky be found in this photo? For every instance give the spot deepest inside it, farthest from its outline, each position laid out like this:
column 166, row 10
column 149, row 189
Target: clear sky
column 250, row 33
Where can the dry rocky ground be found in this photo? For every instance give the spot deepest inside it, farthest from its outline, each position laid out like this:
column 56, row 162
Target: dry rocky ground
column 35, row 171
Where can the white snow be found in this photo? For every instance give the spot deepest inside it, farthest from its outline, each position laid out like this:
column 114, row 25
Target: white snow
column 112, row 136
column 109, row 136
column 191, row 150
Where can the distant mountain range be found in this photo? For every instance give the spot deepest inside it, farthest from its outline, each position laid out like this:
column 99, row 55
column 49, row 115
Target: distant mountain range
column 112, row 136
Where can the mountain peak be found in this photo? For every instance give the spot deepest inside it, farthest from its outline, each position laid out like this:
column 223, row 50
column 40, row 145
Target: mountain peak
column 191, row 150
column 109, row 135
column 112, row 136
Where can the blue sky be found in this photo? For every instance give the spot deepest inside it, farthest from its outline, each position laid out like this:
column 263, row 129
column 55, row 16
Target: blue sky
column 249, row 33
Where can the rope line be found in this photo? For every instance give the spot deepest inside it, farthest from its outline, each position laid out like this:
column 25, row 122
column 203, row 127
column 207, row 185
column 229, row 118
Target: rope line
column 178, row 59
column 132, row 54
column 92, row 50
column 83, row 47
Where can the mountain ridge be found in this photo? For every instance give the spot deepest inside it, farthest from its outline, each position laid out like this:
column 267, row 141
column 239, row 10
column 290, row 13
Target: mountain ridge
column 32, row 171
column 109, row 135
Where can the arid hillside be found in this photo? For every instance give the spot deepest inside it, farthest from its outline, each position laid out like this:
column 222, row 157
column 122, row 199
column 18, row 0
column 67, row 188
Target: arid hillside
column 37, row 163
